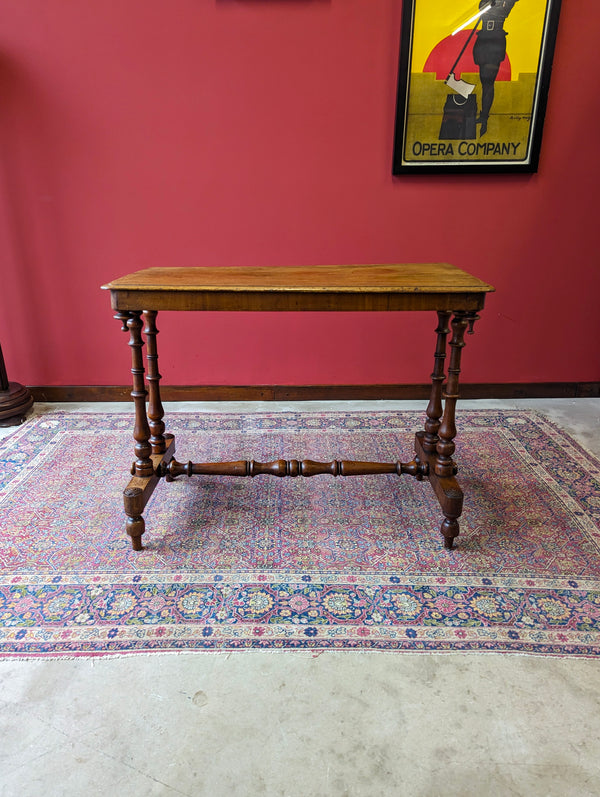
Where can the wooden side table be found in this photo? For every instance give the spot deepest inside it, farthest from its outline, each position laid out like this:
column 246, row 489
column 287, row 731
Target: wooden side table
column 453, row 294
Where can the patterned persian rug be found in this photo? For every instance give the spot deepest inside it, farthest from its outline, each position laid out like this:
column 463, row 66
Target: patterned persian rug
column 319, row 563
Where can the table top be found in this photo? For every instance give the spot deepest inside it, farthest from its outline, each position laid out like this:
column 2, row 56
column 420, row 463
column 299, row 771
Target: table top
column 405, row 286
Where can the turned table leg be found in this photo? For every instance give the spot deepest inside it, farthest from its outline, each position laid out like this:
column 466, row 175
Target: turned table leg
column 435, row 445
column 152, row 446
column 434, row 408
column 445, row 467
column 447, row 431
column 133, row 497
column 155, row 409
column 141, row 433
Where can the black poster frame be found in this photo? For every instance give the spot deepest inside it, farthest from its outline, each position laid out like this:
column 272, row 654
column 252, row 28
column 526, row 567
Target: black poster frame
column 454, row 156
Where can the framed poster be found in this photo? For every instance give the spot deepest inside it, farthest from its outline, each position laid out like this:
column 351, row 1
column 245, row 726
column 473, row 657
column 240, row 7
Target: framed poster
column 472, row 84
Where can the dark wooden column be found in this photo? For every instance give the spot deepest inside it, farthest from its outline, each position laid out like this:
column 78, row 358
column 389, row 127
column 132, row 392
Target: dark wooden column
column 155, row 407
column 434, row 408
column 141, row 434
column 15, row 400
column 447, row 432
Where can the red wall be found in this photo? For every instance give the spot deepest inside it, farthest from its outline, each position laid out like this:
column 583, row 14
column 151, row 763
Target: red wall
column 219, row 132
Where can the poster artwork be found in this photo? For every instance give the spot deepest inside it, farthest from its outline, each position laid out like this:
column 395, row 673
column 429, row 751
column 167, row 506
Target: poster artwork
column 473, row 84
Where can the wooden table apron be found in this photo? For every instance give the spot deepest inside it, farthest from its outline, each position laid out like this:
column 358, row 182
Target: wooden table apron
column 455, row 296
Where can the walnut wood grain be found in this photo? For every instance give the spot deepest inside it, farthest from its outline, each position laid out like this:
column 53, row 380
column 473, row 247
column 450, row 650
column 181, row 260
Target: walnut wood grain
column 433, row 286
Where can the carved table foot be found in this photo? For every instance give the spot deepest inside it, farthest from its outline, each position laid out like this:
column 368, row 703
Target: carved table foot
column 450, row 529
column 135, row 526
column 137, row 494
column 447, row 491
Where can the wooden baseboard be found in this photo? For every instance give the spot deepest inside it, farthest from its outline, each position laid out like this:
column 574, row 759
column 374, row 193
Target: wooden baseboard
column 66, row 393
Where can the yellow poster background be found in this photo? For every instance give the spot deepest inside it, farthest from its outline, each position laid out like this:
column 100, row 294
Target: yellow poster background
column 436, row 19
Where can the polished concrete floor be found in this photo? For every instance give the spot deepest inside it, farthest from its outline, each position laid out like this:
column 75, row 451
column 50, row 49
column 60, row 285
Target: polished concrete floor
column 301, row 724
